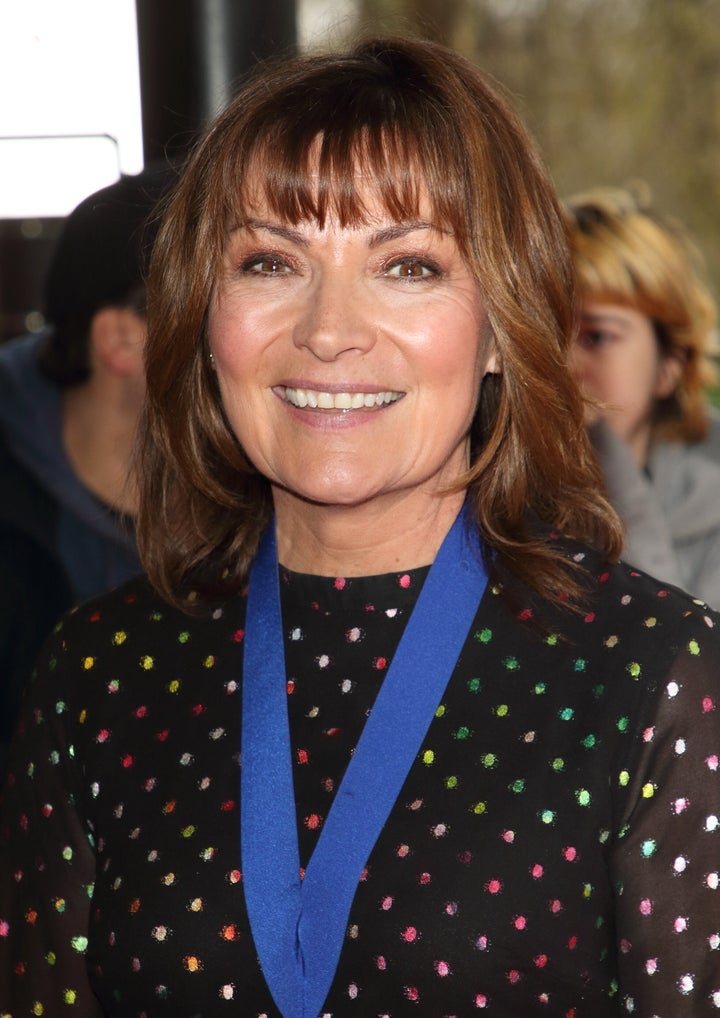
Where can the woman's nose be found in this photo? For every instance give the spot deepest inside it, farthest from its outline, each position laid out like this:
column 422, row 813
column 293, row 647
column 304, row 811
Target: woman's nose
column 337, row 318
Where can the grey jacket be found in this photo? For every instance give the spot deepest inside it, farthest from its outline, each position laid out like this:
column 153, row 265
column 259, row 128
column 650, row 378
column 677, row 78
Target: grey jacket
column 671, row 511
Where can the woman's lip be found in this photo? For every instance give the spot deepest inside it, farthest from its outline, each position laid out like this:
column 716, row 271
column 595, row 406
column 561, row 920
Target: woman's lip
column 337, row 397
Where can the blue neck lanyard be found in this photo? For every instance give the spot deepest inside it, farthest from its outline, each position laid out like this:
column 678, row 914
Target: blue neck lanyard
column 299, row 924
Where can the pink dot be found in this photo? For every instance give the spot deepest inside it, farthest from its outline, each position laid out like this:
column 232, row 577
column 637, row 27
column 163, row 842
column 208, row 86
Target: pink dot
column 339, row 583
column 508, row 836
column 541, row 961
column 482, row 943
column 380, row 663
column 712, row 762
column 625, row 946
column 537, row 871
column 442, row 968
column 404, row 581
column 513, row 976
column 708, row 704
column 4, row 927
column 570, row 853
column 651, row 966
column 480, row 1000
column 425, row 878
column 409, row 934
column 387, row 903
column 494, row 886
column 411, row 992
column 381, row 963
column 520, row 922
column 649, row 734
column 646, row 907
column 555, row 906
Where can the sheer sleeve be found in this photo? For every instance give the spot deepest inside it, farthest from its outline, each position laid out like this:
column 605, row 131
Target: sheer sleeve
column 47, row 862
column 666, row 861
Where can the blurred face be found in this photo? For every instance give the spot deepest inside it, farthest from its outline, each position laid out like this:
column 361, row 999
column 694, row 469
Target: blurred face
column 618, row 361
column 349, row 359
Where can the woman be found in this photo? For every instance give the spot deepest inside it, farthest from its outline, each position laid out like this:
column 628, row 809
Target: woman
column 453, row 795
column 644, row 356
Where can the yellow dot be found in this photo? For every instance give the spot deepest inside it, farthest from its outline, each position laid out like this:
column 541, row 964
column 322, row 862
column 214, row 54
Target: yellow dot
column 69, row 996
column 87, row 664
column 650, row 623
column 209, row 661
column 428, row 757
column 119, row 637
column 196, row 905
column 173, row 686
column 648, row 791
column 479, row 808
column 146, row 662
column 624, row 779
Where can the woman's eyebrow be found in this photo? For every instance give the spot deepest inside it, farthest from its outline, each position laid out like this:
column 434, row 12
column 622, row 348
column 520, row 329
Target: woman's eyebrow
column 286, row 232
column 398, row 230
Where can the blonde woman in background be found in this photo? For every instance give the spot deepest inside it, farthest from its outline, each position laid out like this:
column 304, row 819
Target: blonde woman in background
column 643, row 357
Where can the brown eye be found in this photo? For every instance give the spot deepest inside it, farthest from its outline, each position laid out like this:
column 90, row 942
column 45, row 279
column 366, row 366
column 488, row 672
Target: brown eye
column 266, row 265
column 411, row 268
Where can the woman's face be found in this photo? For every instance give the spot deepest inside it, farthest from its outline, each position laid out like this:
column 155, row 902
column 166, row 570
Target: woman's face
column 617, row 360
column 349, row 360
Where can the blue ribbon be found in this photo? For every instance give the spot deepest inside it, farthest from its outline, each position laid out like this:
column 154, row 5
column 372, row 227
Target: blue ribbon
column 299, row 925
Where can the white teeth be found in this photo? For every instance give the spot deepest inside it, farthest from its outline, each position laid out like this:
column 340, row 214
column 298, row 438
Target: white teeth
column 339, row 400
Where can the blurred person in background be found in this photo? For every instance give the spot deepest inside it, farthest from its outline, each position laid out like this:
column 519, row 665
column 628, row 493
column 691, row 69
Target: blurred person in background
column 70, row 399
column 643, row 356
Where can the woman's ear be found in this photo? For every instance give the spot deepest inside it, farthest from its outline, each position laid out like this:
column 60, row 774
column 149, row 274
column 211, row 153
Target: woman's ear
column 670, row 371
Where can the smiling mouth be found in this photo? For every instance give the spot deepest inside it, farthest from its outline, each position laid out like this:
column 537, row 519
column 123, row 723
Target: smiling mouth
column 319, row 400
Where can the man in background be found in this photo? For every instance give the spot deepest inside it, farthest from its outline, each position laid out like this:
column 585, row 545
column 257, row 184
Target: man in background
column 70, row 401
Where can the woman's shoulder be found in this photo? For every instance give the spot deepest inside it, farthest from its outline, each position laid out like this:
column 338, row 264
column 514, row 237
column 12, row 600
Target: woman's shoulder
column 619, row 596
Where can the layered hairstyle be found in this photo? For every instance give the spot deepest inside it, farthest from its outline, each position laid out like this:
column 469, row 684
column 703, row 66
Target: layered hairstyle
column 626, row 253
column 410, row 116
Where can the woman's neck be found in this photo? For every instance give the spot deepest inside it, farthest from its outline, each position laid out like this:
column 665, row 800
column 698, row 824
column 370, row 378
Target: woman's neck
column 390, row 533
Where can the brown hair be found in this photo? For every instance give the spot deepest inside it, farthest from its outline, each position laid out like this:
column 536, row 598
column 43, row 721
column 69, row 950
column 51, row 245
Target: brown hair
column 626, row 253
column 404, row 112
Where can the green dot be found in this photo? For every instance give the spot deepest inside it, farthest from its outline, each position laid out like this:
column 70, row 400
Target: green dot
column 502, row 710
column 623, row 724
column 451, row 782
column 598, row 691
column 489, row 760
column 484, row 636
column 580, row 664
column 474, row 685
column 648, row 847
column 694, row 647
column 634, row 668
column 567, row 713
column 79, row 944
column 462, row 733
column 540, row 688
column 558, row 764
column 589, row 741
column 547, row 816
column 551, row 640
column 511, row 663
column 183, row 637
column 583, row 796
column 67, row 853
column 518, row 786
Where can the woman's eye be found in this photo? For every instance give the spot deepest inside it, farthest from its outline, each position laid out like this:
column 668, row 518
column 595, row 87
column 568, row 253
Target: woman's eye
column 411, row 268
column 266, row 265
column 591, row 339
